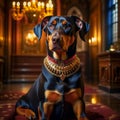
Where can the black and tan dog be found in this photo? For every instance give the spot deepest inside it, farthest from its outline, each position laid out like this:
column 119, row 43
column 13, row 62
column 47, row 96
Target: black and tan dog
column 58, row 92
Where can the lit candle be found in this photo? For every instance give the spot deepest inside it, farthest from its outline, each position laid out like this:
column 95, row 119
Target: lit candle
column 50, row 2
column 51, row 6
column 29, row 4
column 47, row 6
column 39, row 5
column 93, row 100
column 43, row 5
column 90, row 41
column 13, row 4
column 24, row 4
column 33, row 2
column 29, row 36
column 18, row 4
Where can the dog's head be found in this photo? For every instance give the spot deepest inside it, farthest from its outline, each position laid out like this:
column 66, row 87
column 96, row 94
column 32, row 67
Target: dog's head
column 60, row 34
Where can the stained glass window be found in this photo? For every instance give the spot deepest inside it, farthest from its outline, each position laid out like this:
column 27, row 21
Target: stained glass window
column 112, row 21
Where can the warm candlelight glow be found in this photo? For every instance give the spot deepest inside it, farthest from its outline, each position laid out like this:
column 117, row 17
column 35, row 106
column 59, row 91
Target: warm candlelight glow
column 39, row 4
column 33, row 1
column 47, row 6
column 93, row 100
column 24, row 4
column 31, row 39
column 13, row 4
column 43, row 5
column 18, row 4
column 93, row 41
column 34, row 8
column 29, row 4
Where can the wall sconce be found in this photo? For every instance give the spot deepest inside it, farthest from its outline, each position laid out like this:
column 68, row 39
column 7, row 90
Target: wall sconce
column 31, row 39
column 1, row 41
column 93, row 41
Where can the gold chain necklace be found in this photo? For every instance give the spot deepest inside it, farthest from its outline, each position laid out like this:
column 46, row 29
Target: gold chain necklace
column 62, row 70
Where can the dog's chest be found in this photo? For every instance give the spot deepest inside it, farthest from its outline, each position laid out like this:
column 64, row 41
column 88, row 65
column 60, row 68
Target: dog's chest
column 62, row 86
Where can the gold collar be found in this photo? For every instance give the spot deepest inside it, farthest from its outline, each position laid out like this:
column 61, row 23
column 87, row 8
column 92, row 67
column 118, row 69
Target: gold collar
column 61, row 69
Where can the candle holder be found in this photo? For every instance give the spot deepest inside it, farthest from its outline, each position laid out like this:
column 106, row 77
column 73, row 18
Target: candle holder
column 33, row 10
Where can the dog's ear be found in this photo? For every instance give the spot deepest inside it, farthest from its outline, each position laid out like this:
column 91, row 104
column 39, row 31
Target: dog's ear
column 83, row 27
column 39, row 27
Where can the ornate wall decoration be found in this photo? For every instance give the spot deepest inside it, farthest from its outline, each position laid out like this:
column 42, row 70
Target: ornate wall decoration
column 30, row 43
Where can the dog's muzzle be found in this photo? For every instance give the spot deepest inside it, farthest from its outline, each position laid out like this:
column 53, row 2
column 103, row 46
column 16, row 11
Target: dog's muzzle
column 57, row 40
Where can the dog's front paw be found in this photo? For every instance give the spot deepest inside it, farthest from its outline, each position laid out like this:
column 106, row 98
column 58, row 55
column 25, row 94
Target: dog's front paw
column 28, row 113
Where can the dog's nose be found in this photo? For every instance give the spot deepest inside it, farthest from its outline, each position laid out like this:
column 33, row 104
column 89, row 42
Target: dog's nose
column 55, row 40
column 56, row 37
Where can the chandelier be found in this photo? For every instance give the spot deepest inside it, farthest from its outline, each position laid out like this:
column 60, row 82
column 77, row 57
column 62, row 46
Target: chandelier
column 32, row 10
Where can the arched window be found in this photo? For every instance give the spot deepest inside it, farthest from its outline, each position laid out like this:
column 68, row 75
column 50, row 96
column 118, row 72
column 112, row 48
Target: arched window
column 112, row 22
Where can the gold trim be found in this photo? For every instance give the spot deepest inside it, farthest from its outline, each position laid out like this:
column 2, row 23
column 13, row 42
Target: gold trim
column 62, row 70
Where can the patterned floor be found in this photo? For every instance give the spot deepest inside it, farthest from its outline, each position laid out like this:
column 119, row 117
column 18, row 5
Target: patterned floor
column 96, row 101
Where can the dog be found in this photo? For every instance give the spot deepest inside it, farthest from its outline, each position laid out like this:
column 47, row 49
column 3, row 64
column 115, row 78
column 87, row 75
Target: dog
column 58, row 92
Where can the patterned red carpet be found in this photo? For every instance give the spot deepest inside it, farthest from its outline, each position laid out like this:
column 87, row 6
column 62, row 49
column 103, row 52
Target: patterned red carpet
column 90, row 90
column 11, row 95
column 101, row 112
column 94, row 111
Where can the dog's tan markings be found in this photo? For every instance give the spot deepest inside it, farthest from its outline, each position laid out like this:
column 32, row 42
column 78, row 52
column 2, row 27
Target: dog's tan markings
column 73, row 95
column 60, row 55
column 48, row 108
column 52, row 26
column 64, row 22
column 43, row 38
column 25, row 112
column 68, row 40
column 53, row 96
column 54, row 22
column 78, row 109
column 65, row 43
column 50, row 44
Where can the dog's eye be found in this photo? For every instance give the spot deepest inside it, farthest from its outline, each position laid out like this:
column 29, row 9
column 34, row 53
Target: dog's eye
column 54, row 22
column 64, row 22
column 79, row 24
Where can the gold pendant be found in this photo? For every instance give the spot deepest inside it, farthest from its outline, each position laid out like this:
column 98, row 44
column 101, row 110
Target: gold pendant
column 62, row 76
